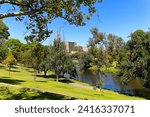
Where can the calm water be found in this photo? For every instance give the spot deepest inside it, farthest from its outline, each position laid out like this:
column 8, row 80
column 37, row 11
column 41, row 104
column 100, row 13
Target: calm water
column 134, row 87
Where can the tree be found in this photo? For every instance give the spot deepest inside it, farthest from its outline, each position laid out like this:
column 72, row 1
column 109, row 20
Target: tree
column 4, row 34
column 85, row 61
column 69, row 66
column 137, row 62
column 57, row 58
column 115, row 48
column 36, row 49
column 25, row 55
column 99, row 55
column 41, row 12
column 14, row 46
column 26, row 58
column 3, row 52
column 44, row 64
column 10, row 61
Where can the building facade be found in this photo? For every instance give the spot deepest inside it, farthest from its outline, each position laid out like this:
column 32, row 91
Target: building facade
column 70, row 46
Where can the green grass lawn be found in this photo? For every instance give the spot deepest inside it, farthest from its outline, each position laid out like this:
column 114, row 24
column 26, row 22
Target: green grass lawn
column 48, row 88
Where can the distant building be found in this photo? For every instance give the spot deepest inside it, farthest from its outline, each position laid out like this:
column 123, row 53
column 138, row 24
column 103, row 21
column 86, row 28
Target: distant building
column 70, row 46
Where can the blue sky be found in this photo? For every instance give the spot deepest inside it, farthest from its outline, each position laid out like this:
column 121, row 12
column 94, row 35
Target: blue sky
column 119, row 17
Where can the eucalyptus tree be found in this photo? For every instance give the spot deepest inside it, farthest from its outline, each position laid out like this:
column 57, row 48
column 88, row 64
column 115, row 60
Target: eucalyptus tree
column 4, row 34
column 57, row 56
column 44, row 65
column 59, row 59
column 99, row 55
column 137, row 62
column 3, row 51
column 42, row 12
column 115, row 47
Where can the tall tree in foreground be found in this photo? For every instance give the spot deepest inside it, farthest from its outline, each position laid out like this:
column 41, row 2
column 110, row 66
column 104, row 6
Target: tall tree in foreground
column 57, row 56
column 44, row 65
column 98, row 53
column 59, row 61
column 42, row 12
column 137, row 62
column 10, row 61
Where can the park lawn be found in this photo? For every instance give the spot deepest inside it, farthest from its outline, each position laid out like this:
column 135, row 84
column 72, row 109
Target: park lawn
column 23, row 77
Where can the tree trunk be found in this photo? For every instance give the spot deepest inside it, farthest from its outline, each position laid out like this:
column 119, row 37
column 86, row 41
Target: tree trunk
column 9, row 69
column 57, row 77
column 34, row 76
column 45, row 72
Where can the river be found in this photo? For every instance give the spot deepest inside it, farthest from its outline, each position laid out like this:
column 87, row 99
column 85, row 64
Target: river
column 134, row 87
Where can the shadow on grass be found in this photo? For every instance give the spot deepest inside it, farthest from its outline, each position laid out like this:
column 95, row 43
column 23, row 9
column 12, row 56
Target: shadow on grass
column 2, row 67
column 10, row 81
column 13, row 70
column 99, row 94
column 48, row 76
column 65, row 80
column 15, row 67
column 53, row 76
column 30, row 71
column 30, row 94
column 41, row 81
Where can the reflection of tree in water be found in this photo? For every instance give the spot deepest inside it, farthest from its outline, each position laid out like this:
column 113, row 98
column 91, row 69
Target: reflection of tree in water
column 134, row 87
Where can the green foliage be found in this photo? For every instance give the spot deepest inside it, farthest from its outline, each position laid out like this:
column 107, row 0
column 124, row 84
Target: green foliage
column 36, row 49
column 97, row 48
column 137, row 62
column 10, row 61
column 115, row 48
column 14, row 46
column 85, row 61
column 26, row 58
column 70, row 67
column 98, row 53
column 42, row 12
column 44, row 64
column 58, row 56
column 3, row 52
column 78, row 48
column 4, row 34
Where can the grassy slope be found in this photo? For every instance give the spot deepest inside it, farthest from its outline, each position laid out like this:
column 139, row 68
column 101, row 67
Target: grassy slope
column 23, row 77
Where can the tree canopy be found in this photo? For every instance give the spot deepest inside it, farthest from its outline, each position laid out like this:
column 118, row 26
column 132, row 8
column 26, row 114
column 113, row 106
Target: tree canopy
column 137, row 62
column 10, row 61
column 4, row 34
column 42, row 12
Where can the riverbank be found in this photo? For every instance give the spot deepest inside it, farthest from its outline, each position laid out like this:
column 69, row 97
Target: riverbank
column 48, row 88
column 106, row 70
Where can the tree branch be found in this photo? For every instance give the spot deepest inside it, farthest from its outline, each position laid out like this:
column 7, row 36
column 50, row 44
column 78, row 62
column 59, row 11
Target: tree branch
column 14, row 14
column 15, row 3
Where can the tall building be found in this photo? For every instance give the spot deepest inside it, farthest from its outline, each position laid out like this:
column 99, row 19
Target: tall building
column 70, row 46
